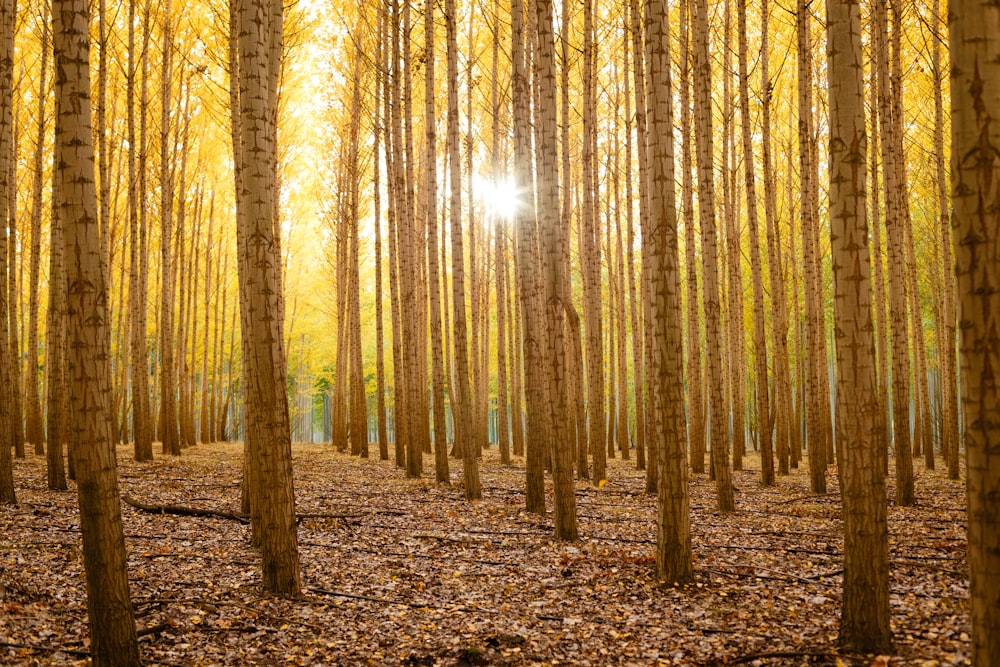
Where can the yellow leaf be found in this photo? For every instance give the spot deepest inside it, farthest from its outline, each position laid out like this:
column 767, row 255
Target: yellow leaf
column 601, row 484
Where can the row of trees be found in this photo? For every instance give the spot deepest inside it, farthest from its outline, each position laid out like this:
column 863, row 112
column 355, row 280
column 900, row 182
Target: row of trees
column 587, row 139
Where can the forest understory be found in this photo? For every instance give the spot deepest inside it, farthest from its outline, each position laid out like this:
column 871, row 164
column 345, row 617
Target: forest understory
column 405, row 572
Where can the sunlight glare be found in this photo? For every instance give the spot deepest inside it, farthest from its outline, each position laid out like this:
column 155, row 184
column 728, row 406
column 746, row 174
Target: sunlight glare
column 499, row 197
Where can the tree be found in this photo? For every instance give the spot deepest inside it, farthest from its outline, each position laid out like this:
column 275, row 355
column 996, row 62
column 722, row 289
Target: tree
column 109, row 607
column 666, row 379
column 814, row 361
column 974, row 29
column 35, row 425
column 264, row 373
column 897, row 289
column 718, row 413
column 864, row 621
column 550, row 244
column 441, row 473
column 462, row 398
column 139, row 362
column 6, row 201
column 759, row 331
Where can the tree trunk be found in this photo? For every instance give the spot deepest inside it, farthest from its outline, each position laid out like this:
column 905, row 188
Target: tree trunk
column 109, row 608
column 696, row 415
column 673, row 529
column 974, row 29
column 36, row 425
column 896, row 259
column 759, row 327
column 946, row 343
column 168, row 379
column 710, row 257
column 462, row 399
column 7, row 196
column 441, row 472
column 864, row 621
column 380, row 407
column 815, row 363
column 551, row 283
column 267, row 422
column 528, row 282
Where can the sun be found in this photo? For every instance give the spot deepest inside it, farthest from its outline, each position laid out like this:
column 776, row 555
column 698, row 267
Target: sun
column 500, row 197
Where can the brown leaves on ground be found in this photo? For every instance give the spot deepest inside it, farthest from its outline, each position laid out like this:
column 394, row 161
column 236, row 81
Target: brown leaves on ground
column 406, row 572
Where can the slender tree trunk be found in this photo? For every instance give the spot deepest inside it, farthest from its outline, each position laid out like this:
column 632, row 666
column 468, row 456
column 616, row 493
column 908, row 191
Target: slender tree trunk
column 380, row 407
column 528, row 281
column 441, row 472
column 782, row 411
column 946, row 344
column 710, row 257
column 696, row 414
column 55, row 342
column 864, row 620
column 112, row 621
column 974, row 29
column 7, row 196
column 759, row 326
column 896, row 258
column 35, row 425
column 814, row 361
column 267, row 420
column 462, row 399
column 673, row 529
column 551, row 281
column 168, row 383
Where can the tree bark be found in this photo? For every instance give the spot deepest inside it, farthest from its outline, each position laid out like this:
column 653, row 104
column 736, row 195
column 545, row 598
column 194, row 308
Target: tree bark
column 974, row 29
column 673, row 525
column 112, row 622
column 864, row 621
column 267, row 421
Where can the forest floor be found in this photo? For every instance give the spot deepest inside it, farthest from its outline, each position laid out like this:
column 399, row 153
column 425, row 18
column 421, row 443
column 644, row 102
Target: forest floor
column 408, row 573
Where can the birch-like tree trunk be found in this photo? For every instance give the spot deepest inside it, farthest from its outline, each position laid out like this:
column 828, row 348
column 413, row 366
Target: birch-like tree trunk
column 710, row 258
column 554, row 357
column 462, row 398
column 974, row 29
column 35, row 423
column 864, row 621
column 673, row 524
column 267, row 421
column 112, row 622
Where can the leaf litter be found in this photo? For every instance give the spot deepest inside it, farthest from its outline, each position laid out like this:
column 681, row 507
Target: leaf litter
column 405, row 572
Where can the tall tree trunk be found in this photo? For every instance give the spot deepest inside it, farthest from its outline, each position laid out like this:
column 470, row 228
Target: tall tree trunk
column 35, row 425
column 782, row 411
column 7, row 196
column 759, row 326
column 528, row 282
column 736, row 358
column 894, row 225
column 109, row 608
column 590, row 255
column 169, row 435
column 267, row 421
column 55, row 342
column 696, row 404
column 974, row 29
column 864, row 620
column 441, row 472
column 138, row 356
column 946, row 343
column 710, row 257
column 380, row 407
column 551, row 283
column 815, row 362
column 673, row 528
column 462, row 406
